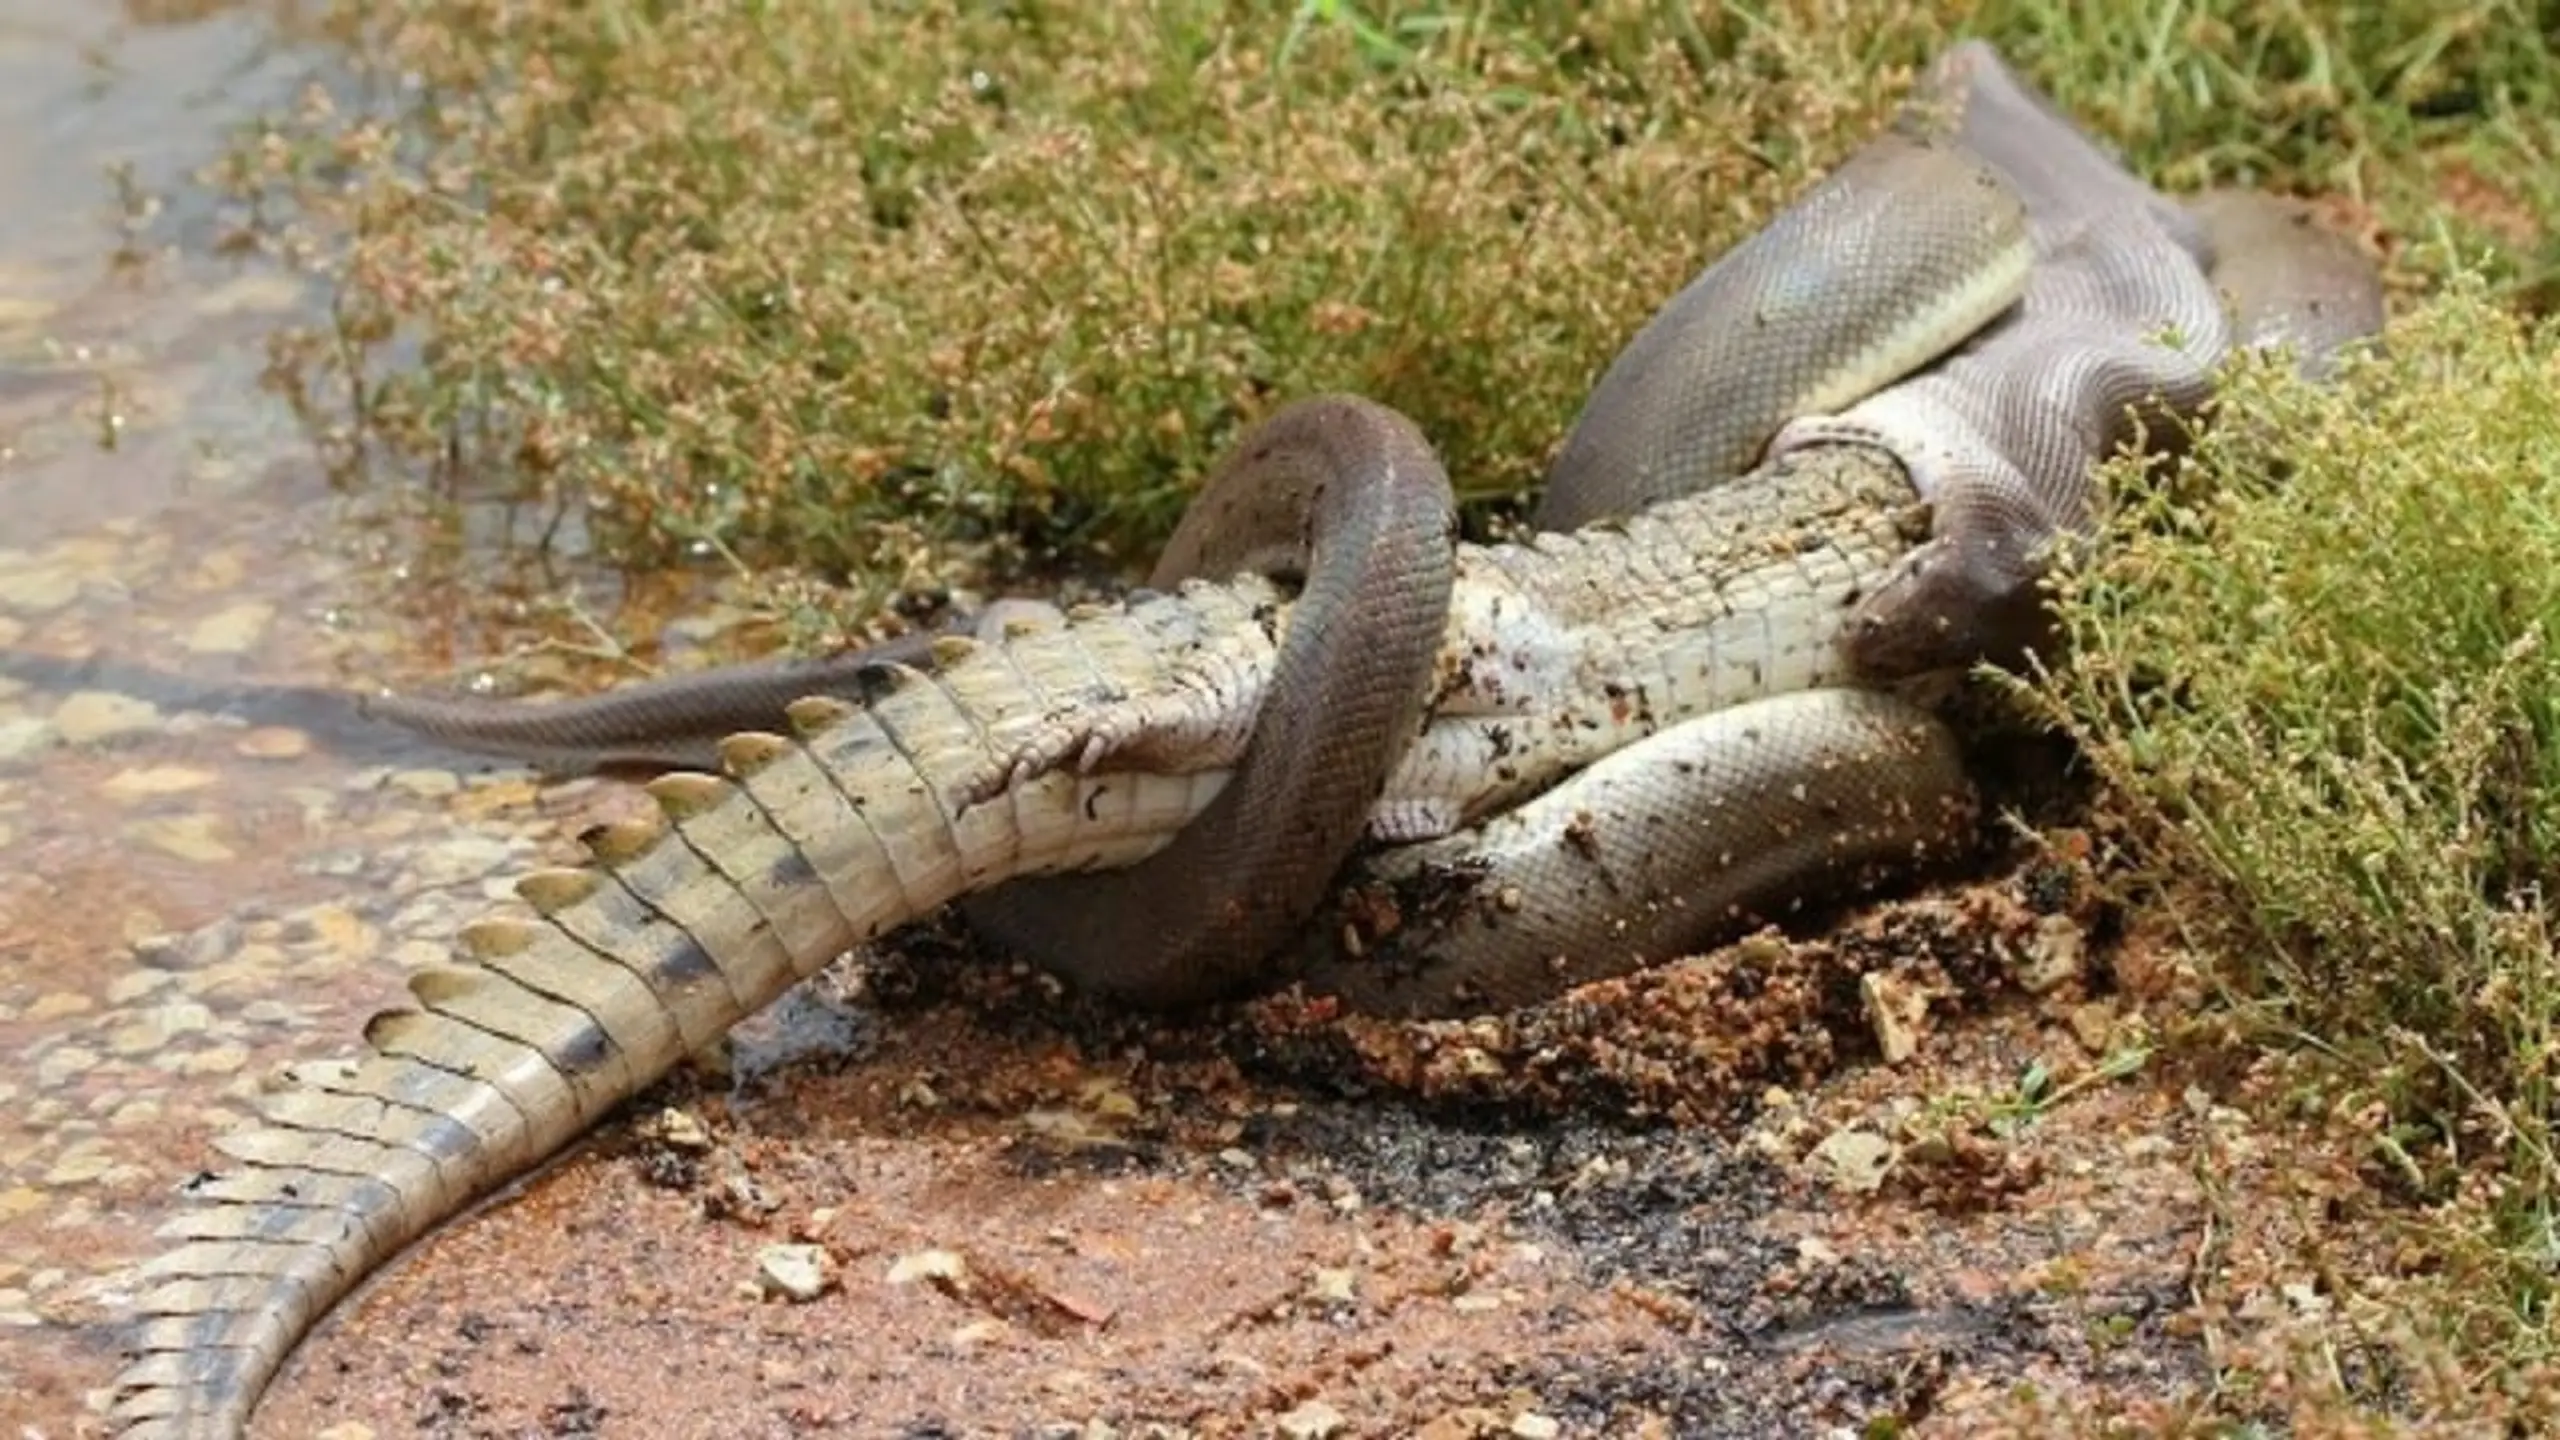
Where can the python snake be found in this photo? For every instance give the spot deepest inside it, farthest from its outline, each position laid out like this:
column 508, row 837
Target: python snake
column 1922, row 239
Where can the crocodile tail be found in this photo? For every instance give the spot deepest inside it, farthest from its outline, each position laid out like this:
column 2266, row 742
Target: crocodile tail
column 686, row 922
column 623, row 968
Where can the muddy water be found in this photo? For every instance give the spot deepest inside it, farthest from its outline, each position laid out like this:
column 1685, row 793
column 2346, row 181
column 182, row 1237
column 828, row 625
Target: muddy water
column 197, row 881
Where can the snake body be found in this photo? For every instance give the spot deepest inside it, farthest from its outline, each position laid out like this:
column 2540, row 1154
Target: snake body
column 1883, row 265
column 1922, row 241
column 1907, row 248
column 1350, row 493
column 878, row 812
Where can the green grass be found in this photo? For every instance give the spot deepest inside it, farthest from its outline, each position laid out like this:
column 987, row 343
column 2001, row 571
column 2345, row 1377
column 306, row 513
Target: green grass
column 901, row 295
column 2320, row 674
column 880, row 299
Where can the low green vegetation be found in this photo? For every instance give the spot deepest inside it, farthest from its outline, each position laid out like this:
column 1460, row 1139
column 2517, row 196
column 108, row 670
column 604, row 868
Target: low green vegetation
column 897, row 295
column 893, row 298
column 2318, row 673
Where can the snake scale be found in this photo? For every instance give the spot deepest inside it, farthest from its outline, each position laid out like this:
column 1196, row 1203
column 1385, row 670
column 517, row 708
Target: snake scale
column 1685, row 653
column 1919, row 240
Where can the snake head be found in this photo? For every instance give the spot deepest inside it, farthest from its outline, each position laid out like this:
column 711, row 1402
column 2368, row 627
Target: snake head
column 1973, row 594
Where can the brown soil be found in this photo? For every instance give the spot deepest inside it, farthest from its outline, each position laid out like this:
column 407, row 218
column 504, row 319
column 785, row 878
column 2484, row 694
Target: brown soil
column 1600, row 1213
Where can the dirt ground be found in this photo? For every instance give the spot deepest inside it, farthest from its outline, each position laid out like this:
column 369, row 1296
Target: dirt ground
column 1695, row 1203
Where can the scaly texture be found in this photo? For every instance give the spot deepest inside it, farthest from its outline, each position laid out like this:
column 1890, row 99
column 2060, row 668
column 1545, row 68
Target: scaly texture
column 2115, row 342
column 1720, row 824
column 1880, row 267
column 1004, row 763
column 1089, row 744
column 1348, row 493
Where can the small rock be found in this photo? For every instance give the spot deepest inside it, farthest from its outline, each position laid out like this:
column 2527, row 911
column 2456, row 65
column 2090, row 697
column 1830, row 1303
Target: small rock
column 1466, row 1424
column 2055, row 954
column 193, row 838
column 1530, row 1425
column 272, row 742
column 1333, row 1286
column 60, row 1064
column 345, row 1430
column 80, row 1166
column 2093, row 1025
column 1814, row 1250
column 1896, row 1009
column 157, row 1026
column 89, row 716
column 132, row 985
column 798, row 1273
column 230, row 630
column 344, row 935
column 223, row 1059
column 945, row 1268
column 681, row 1130
column 1314, row 1420
column 146, row 782
column 25, row 736
column 426, row 784
column 1854, row 1160
column 132, row 1113
column 39, row 590
column 58, row 1004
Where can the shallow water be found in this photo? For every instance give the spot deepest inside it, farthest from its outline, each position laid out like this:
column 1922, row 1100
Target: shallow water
column 202, row 877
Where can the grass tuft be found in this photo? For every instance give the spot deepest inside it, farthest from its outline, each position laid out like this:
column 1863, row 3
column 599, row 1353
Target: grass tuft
column 903, row 295
column 2320, row 672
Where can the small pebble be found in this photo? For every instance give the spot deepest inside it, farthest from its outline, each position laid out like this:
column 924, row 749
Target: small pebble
column 272, row 742
column 59, row 1004
column 89, row 716
column 1854, row 1160
column 230, row 630
column 426, row 784
column 798, row 1273
column 157, row 1027
column 1897, row 1010
column 1314, row 1420
column 945, row 1267
column 132, row 985
column 134, row 1112
column 222, row 1059
column 149, row 781
column 25, row 736
column 40, row 590
column 60, row 1064
column 193, row 838
column 80, row 1165
column 2056, row 953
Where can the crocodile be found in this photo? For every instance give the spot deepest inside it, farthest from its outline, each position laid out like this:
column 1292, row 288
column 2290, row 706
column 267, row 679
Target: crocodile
column 1047, row 749
column 1044, row 753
